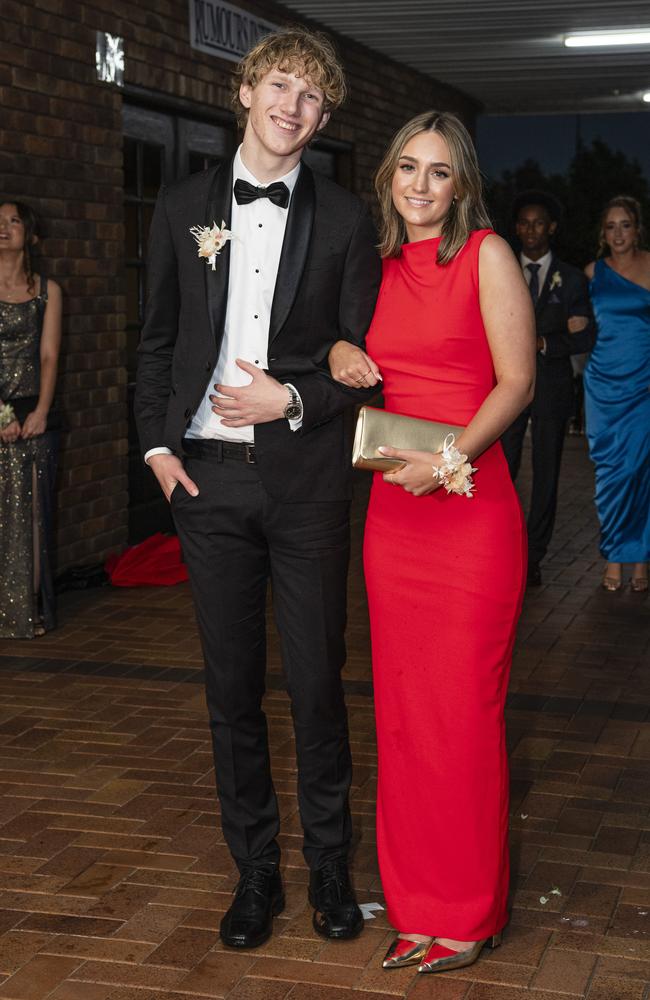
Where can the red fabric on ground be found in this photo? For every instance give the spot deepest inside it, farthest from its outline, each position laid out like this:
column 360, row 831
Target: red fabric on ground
column 155, row 562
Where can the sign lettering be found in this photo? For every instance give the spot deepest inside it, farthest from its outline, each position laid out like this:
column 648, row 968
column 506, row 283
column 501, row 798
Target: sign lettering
column 222, row 29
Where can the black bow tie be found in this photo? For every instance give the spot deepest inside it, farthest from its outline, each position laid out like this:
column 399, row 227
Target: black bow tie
column 278, row 193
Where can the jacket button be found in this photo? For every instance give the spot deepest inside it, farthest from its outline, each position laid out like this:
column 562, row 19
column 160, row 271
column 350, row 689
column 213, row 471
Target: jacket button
column 188, row 413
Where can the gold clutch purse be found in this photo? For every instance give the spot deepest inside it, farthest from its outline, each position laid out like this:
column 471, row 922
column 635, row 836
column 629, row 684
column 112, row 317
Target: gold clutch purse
column 377, row 428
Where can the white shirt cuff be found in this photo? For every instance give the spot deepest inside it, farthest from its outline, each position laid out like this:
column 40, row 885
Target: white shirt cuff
column 295, row 425
column 157, row 451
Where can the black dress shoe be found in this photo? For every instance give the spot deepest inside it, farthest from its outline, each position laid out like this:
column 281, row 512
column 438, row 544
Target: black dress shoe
column 258, row 898
column 336, row 913
column 534, row 575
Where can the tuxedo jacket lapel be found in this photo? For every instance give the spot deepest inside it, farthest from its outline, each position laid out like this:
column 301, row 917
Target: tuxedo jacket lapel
column 218, row 209
column 295, row 247
column 546, row 288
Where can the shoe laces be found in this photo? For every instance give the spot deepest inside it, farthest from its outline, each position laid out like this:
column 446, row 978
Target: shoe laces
column 334, row 878
column 255, row 880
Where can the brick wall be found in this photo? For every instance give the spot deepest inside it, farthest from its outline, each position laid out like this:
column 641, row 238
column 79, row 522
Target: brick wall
column 61, row 149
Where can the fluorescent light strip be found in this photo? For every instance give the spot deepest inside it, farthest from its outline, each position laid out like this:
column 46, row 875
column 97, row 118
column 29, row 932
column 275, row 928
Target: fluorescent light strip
column 606, row 39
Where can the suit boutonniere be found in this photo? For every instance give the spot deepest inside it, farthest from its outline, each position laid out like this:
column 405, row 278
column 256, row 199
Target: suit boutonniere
column 211, row 241
column 556, row 281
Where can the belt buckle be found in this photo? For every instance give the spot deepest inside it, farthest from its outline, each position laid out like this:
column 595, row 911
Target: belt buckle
column 249, row 452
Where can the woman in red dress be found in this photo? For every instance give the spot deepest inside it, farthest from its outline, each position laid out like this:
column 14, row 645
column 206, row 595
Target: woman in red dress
column 453, row 340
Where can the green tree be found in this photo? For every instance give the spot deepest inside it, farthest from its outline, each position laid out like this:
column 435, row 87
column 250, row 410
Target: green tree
column 596, row 174
column 502, row 192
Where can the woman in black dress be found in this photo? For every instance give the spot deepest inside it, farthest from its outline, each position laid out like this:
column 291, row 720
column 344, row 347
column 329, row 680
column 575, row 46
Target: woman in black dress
column 30, row 339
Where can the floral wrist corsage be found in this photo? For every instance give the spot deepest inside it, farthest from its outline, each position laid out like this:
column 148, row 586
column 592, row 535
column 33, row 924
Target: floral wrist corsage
column 7, row 415
column 455, row 472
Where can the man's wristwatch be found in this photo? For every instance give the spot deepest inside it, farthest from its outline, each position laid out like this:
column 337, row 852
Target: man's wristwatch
column 293, row 409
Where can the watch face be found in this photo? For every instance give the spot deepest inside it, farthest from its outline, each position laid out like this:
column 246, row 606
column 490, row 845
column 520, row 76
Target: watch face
column 293, row 411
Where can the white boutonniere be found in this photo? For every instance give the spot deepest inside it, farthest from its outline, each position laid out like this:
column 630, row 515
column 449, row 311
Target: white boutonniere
column 556, row 281
column 211, row 241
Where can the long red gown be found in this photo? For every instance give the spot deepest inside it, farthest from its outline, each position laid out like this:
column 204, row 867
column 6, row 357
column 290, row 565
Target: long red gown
column 445, row 579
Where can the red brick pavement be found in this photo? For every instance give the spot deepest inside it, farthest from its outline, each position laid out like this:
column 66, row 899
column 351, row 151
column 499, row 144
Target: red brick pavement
column 113, row 872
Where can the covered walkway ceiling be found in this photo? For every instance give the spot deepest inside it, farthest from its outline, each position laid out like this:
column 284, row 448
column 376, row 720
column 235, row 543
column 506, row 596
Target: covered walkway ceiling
column 507, row 54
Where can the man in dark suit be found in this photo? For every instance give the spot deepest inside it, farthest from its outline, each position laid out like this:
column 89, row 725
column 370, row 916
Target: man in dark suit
column 565, row 326
column 249, row 438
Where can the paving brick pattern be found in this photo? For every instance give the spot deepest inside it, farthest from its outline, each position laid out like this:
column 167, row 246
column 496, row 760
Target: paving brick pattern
column 113, row 872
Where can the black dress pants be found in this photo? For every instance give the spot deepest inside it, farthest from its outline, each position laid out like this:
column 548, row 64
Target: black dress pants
column 235, row 537
column 547, row 443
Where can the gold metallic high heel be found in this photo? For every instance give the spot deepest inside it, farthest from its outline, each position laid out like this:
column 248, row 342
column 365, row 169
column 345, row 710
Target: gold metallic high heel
column 441, row 959
column 639, row 584
column 611, row 583
column 403, row 952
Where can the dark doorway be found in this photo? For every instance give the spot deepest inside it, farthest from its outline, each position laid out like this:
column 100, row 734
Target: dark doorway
column 158, row 149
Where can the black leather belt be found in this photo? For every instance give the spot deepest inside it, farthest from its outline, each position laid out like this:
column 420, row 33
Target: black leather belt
column 218, row 450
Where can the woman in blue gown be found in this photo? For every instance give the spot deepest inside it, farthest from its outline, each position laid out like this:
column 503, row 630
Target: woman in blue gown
column 617, row 393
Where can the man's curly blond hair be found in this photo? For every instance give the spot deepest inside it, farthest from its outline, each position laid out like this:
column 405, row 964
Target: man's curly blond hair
column 308, row 54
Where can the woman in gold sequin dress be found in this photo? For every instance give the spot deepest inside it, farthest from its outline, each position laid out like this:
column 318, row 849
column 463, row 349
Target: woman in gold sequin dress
column 30, row 338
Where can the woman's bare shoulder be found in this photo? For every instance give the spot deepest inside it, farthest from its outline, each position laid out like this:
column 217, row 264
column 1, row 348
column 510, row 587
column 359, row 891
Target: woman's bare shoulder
column 496, row 257
column 495, row 247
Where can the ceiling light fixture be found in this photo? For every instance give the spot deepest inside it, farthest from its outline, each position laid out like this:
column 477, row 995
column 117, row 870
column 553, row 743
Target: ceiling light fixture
column 646, row 97
column 601, row 38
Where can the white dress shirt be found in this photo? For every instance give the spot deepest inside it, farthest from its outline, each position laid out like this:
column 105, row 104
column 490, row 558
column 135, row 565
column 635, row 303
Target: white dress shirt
column 258, row 233
column 544, row 264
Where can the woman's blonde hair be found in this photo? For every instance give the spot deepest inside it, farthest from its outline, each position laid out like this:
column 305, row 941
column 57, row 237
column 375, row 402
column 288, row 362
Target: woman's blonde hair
column 467, row 211
column 633, row 209
column 308, row 54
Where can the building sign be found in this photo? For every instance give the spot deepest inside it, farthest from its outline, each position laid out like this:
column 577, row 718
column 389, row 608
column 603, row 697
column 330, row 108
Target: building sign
column 225, row 30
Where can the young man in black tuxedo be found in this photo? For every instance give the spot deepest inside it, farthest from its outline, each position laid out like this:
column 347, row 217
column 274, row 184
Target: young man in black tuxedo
column 248, row 436
column 565, row 326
